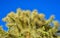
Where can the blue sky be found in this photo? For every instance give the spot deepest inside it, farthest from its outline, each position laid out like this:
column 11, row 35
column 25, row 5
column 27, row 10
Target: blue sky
column 48, row 7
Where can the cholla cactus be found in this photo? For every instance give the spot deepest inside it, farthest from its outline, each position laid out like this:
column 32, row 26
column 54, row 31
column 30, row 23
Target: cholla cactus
column 27, row 24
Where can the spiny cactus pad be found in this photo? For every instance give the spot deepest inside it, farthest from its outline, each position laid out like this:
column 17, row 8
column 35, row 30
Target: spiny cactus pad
column 27, row 24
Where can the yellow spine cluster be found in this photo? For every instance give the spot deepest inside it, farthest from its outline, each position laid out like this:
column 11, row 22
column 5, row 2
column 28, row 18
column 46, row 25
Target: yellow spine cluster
column 27, row 24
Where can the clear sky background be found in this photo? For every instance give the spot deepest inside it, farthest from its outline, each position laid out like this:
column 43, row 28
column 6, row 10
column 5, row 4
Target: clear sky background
column 48, row 7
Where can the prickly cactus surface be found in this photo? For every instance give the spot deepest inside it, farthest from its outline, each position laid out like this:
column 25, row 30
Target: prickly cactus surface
column 29, row 24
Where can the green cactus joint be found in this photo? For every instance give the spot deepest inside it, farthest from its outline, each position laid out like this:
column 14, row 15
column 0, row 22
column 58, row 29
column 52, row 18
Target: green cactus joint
column 27, row 24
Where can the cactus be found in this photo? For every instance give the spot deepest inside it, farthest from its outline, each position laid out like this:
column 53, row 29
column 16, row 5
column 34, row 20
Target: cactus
column 27, row 24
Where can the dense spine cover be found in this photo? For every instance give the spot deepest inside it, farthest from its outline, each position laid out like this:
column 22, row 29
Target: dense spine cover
column 27, row 24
